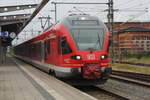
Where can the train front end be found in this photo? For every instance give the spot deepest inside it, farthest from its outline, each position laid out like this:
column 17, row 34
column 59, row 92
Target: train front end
column 84, row 44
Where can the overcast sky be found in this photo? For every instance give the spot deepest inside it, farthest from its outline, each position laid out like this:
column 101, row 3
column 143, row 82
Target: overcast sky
column 138, row 7
column 129, row 10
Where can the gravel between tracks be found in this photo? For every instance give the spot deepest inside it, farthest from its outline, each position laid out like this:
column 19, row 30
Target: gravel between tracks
column 128, row 90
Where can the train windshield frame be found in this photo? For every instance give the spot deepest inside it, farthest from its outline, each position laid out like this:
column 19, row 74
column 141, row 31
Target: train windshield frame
column 88, row 39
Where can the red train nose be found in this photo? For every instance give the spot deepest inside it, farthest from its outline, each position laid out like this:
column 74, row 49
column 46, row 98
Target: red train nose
column 91, row 71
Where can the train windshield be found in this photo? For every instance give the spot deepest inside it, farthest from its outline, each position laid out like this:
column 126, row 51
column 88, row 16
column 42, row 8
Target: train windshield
column 88, row 39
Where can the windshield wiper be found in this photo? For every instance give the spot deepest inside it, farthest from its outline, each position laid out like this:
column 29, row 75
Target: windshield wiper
column 98, row 41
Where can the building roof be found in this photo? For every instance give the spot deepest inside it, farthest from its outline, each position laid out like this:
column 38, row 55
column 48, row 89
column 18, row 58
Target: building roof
column 135, row 29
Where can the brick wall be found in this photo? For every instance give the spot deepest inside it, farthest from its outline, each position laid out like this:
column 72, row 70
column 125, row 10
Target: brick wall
column 131, row 41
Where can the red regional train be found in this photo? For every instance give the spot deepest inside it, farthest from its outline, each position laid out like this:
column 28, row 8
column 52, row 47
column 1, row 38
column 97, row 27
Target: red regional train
column 75, row 48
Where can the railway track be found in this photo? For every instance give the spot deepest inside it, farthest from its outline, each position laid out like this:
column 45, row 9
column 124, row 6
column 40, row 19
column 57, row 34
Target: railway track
column 117, row 88
column 131, row 77
column 132, row 63
column 100, row 94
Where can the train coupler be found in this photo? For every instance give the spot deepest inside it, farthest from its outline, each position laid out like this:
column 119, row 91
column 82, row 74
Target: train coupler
column 91, row 71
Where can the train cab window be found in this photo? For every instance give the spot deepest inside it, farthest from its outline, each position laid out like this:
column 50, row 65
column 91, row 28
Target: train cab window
column 65, row 48
column 89, row 39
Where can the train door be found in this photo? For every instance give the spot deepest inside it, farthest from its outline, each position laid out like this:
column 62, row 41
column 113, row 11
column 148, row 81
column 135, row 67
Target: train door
column 42, row 51
column 60, row 50
column 54, row 52
column 46, row 50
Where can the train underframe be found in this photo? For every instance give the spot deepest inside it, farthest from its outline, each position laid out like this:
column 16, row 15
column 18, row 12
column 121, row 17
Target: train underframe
column 86, row 75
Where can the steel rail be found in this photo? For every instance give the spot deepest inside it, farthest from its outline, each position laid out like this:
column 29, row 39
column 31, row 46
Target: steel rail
column 131, row 77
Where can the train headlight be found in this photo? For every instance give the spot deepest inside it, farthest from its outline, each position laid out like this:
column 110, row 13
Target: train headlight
column 103, row 57
column 82, row 18
column 76, row 57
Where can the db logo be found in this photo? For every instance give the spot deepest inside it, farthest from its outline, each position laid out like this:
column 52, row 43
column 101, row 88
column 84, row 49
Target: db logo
column 91, row 56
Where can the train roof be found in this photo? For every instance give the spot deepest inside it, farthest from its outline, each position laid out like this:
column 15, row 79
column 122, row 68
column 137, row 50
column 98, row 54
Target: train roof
column 74, row 21
column 82, row 21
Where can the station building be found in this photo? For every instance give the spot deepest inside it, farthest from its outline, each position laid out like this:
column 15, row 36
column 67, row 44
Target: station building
column 131, row 37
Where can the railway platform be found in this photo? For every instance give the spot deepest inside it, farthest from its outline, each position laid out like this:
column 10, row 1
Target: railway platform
column 20, row 81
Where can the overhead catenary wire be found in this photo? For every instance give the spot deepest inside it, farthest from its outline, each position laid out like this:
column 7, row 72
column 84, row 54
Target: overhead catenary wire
column 33, row 16
column 123, row 3
column 138, row 5
column 29, row 10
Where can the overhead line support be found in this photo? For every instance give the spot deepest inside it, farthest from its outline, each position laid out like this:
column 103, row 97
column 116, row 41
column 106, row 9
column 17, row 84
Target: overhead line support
column 71, row 3
column 40, row 6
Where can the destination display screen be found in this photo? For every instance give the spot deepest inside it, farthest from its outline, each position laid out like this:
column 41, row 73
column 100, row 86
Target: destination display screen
column 85, row 22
